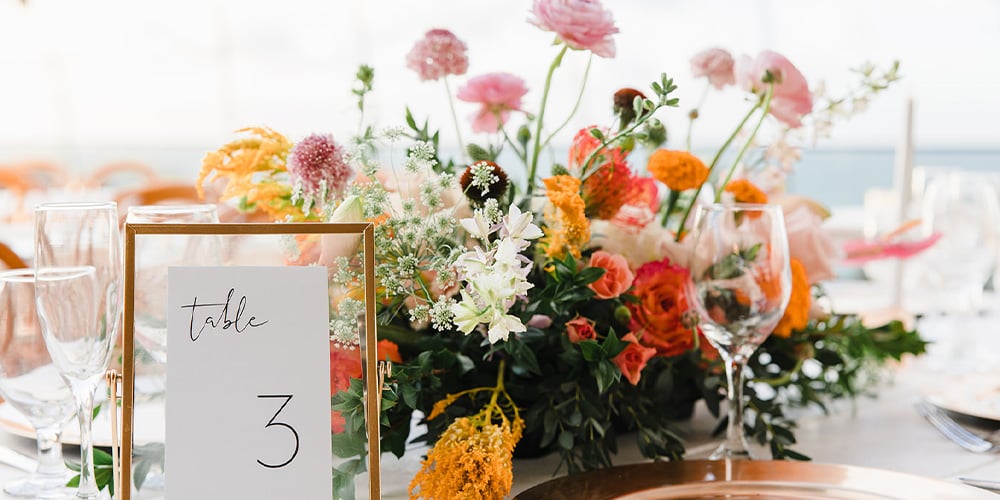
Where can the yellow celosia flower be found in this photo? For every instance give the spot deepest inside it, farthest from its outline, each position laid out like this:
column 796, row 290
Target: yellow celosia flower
column 567, row 228
column 250, row 167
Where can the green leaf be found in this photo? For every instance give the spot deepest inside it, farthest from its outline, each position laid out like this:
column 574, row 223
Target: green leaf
column 477, row 153
column 566, row 440
column 591, row 350
column 410, row 122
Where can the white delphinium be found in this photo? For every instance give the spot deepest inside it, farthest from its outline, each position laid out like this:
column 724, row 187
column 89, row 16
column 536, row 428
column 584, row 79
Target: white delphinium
column 495, row 276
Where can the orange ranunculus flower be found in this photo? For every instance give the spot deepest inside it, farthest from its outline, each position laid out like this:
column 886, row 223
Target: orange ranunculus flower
column 345, row 364
column 745, row 191
column 617, row 276
column 633, row 359
column 678, row 170
column 608, row 176
column 658, row 318
column 797, row 313
column 388, row 350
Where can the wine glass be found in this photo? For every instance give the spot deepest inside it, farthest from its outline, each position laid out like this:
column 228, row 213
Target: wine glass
column 154, row 259
column 740, row 286
column 32, row 385
column 78, row 283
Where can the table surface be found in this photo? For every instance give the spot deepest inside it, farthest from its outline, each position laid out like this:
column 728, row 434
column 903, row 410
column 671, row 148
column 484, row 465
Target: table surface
column 883, row 432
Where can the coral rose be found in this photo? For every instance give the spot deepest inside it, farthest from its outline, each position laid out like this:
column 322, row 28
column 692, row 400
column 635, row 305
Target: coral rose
column 439, row 53
column 498, row 94
column 678, row 170
column 716, row 65
column 617, row 276
column 580, row 328
column 581, row 24
column 633, row 359
column 799, row 305
column 791, row 99
column 659, row 317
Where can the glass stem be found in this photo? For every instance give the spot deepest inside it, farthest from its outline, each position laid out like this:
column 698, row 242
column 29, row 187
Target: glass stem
column 83, row 391
column 735, row 444
column 50, row 459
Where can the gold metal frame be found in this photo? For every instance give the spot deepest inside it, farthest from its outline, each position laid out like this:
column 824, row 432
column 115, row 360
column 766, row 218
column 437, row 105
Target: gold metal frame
column 372, row 383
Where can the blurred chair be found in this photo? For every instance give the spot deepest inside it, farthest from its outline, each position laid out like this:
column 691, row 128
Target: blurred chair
column 42, row 174
column 158, row 193
column 17, row 186
column 122, row 173
column 10, row 259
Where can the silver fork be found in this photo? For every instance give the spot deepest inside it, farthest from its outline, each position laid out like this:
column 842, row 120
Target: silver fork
column 951, row 429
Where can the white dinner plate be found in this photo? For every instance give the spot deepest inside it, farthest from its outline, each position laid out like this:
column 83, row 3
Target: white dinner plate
column 973, row 394
column 149, row 417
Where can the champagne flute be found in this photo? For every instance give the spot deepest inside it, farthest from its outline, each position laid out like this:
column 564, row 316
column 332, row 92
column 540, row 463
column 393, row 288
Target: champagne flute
column 78, row 295
column 31, row 384
column 741, row 283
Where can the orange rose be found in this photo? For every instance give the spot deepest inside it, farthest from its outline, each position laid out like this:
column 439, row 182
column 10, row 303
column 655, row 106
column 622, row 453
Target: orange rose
column 678, row 170
column 797, row 313
column 633, row 359
column 617, row 276
column 580, row 328
column 658, row 318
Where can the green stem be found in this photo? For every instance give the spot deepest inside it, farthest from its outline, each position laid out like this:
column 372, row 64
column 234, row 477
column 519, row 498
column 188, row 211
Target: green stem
column 711, row 168
column 541, row 120
column 520, row 154
column 692, row 116
column 606, row 142
column 454, row 118
column 746, row 145
column 576, row 106
column 671, row 203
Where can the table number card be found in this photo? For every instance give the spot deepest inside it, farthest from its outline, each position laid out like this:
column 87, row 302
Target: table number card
column 248, row 414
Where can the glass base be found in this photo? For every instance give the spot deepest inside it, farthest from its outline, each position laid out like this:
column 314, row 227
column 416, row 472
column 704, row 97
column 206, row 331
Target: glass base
column 44, row 487
column 723, row 452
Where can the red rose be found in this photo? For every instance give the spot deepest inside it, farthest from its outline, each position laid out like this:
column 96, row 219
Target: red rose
column 580, row 328
column 633, row 359
column 658, row 318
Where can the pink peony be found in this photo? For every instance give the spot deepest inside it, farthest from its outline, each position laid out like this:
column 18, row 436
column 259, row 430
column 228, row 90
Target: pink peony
column 438, row 54
column 580, row 328
column 810, row 243
column 715, row 64
column 317, row 165
column 791, row 100
column 581, row 24
column 617, row 276
column 498, row 93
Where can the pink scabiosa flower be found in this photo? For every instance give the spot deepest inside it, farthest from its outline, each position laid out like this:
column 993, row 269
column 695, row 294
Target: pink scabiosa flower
column 498, row 94
column 438, row 54
column 318, row 167
column 581, row 24
column 716, row 65
column 791, row 100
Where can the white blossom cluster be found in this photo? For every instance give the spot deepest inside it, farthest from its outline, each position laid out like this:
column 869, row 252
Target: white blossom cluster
column 495, row 273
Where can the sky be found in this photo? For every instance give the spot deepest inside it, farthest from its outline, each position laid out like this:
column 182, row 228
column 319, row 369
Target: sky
column 184, row 74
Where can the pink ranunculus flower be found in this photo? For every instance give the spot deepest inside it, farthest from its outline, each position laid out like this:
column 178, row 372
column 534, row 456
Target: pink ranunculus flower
column 580, row 328
column 791, row 100
column 581, row 24
column 715, row 64
column 498, row 94
column 810, row 243
column 438, row 54
column 617, row 276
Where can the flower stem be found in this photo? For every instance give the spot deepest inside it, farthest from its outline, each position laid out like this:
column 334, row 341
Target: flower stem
column 746, row 145
column 454, row 118
column 711, row 168
column 693, row 114
column 533, row 168
column 671, row 203
column 576, row 106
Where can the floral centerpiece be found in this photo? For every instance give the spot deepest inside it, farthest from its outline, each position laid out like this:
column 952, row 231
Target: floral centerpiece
column 553, row 315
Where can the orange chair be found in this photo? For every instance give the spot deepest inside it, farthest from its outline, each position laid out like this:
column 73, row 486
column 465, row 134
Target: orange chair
column 10, row 259
column 41, row 174
column 107, row 174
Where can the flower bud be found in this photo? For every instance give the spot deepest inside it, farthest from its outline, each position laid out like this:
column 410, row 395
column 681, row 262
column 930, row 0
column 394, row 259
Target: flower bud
column 623, row 315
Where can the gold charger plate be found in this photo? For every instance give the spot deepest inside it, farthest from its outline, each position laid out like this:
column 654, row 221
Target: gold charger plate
column 777, row 480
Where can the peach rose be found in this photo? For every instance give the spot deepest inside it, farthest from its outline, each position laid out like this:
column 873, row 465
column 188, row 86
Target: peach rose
column 791, row 99
column 617, row 276
column 633, row 359
column 580, row 328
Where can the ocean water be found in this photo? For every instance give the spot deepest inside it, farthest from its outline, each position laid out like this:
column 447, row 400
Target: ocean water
column 835, row 177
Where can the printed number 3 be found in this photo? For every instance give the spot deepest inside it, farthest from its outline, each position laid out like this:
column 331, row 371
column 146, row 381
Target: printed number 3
column 272, row 423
